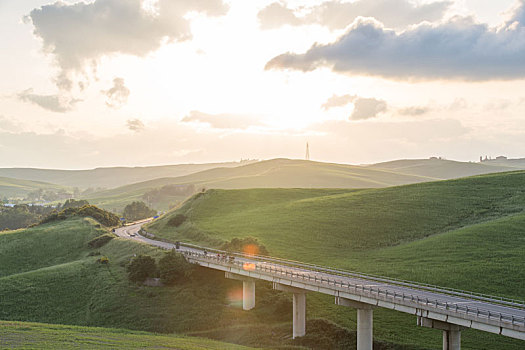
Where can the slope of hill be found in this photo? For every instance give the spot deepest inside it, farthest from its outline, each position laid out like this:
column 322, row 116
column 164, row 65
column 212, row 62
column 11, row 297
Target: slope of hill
column 16, row 188
column 443, row 169
column 467, row 234
column 275, row 173
column 27, row 335
column 107, row 177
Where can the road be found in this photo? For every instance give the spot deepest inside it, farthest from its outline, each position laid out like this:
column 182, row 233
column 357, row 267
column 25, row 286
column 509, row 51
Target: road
column 502, row 314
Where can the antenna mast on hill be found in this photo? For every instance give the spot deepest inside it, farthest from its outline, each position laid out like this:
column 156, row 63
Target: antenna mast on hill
column 307, row 157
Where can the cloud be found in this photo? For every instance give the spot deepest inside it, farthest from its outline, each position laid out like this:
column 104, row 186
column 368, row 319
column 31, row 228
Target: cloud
column 336, row 14
column 117, row 96
column 222, row 121
column 135, row 125
column 81, row 33
column 413, row 110
column 366, row 108
column 338, row 101
column 54, row 103
column 9, row 125
column 458, row 49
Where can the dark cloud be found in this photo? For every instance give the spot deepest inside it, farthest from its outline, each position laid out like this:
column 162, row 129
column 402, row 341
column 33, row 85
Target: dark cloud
column 457, row 49
column 413, row 111
column 222, row 121
column 366, row 108
column 79, row 34
column 118, row 94
column 338, row 101
column 54, row 103
column 337, row 14
column 135, row 125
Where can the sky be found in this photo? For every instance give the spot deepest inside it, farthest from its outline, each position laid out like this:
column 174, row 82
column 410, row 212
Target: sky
column 133, row 83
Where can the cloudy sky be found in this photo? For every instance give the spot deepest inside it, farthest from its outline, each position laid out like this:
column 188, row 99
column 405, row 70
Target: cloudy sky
column 146, row 82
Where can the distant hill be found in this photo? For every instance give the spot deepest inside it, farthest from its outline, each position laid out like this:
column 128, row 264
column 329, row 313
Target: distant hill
column 107, row 177
column 443, row 169
column 275, row 173
column 14, row 188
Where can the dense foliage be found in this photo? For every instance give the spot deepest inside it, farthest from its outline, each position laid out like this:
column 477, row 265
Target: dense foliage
column 248, row 245
column 21, row 215
column 141, row 267
column 174, row 268
column 137, row 211
column 104, row 217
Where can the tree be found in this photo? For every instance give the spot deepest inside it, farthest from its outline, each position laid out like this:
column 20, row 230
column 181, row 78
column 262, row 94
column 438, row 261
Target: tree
column 141, row 267
column 137, row 211
column 173, row 267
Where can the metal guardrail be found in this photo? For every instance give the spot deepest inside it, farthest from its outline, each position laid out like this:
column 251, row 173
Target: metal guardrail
column 375, row 278
column 359, row 289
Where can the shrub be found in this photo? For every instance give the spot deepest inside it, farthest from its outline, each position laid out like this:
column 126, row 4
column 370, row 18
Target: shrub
column 141, row 267
column 100, row 241
column 137, row 211
column 103, row 260
column 177, row 220
column 173, row 267
column 104, row 217
column 248, row 245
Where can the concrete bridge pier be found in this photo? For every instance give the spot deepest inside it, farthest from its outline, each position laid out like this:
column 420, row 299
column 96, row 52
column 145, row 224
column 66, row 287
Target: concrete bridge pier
column 248, row 290
column 299, row 308
column 451, row 332
column 365, row 318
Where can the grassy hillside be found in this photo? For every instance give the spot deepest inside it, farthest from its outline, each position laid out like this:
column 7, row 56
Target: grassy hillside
column 26, row 335
column 446, row 169
column 107, row 177
column 17, row 188
column 276, row 173
column 466, row 233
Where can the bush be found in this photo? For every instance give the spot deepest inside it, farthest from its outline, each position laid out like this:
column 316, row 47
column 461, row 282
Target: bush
column 104, row 217
column 177, row 220
column 138, row 211
column 173, row 268
column 141, row 267
column 103, row 260
column 100, row 241
column 248, row 245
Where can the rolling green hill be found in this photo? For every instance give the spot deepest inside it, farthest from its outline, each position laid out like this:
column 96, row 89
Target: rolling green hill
column 446, row 169
column 276, row 173
column 17, row 188
column 27, row 335
column 107, row 177
column 466, row 233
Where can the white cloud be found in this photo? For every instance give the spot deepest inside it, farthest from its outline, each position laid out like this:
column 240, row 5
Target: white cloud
column 222, row 121
column 117, row 95
column 336, row 14
column 338, row 101
column 457, row 49
column 54, row 103
column 135, row 125
column 79, row 34
column 366, row 108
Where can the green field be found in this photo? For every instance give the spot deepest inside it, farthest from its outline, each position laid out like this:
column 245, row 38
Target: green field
column 466, row 233
column 26, row 335
column 17, row 188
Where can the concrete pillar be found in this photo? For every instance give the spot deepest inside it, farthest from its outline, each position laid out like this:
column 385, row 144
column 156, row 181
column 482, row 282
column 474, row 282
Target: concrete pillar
column 248, row 289
column 365, row 318
column 299, row 308
column 299, row 314
column 365, row 338
column 452, row 340
column 451, row 332
column 248, row 295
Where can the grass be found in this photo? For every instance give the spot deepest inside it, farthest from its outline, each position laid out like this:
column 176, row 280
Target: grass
column 17, row 188
column 466, row 233
column 25, row 335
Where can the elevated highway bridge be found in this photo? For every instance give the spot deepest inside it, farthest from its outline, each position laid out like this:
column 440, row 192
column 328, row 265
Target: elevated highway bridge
column 447, row 310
